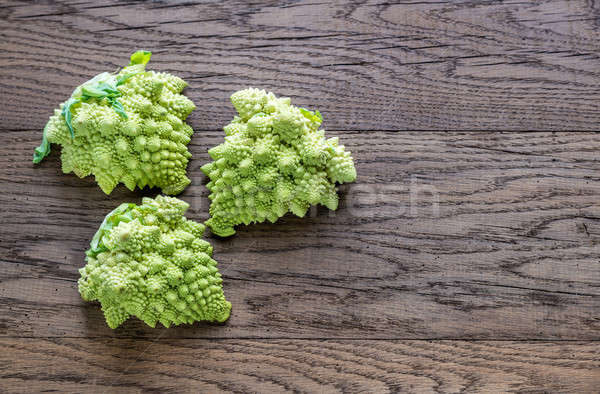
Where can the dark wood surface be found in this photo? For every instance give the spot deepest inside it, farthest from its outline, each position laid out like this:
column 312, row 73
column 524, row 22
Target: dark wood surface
column 242, row 365
column 465, row 258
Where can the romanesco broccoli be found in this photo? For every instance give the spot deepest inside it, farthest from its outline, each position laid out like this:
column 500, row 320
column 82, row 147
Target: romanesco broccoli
column 127, row 128
column 149, row 261
column 274, row 160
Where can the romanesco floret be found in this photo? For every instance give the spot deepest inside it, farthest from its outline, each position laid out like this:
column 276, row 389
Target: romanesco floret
column 149, row 261
column 274, row 160
column 128, row 128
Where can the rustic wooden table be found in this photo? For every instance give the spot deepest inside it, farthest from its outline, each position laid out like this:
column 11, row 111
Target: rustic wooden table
column 464, row 258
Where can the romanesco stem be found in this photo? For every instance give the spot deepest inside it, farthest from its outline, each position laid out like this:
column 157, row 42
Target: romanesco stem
column 44, row 149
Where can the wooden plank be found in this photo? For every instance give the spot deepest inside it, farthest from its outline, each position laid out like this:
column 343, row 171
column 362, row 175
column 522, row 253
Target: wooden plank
column 129, row 365
column 426, row 65
column 511, row 252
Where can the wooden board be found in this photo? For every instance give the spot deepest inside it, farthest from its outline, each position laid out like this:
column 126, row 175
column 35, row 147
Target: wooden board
column 242, row 366
column 465, row 257
column 367, row 65
column 511, row 251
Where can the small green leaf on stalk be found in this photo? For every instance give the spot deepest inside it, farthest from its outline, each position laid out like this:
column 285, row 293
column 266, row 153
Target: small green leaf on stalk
column 317, row 118
column 92, row 91
column 66, row 112
column 116, row 216
column 118, row 107
column 140, row 57
column 109, row 89
column 44, row 149
column 102, row 86
column 121, row 79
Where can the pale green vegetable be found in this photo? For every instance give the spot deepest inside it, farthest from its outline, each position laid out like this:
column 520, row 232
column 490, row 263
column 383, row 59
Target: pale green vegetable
column 149, row 261
column 274, row 160
column 124, row 128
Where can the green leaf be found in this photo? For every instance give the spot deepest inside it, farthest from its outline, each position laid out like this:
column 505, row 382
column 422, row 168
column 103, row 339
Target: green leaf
column 317, row 118
column 102, row 86
column 99, row 90
column 121, row 79
column 118, row 107
column 92, row 91
column 66, row 112
column 109, row 89
column 318, row 114
column 120, row 214
column 140, row 57
column 44, row 149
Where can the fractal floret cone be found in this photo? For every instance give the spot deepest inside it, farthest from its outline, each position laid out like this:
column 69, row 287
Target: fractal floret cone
column 124, row 128
column 149, row 261
column 274, row 160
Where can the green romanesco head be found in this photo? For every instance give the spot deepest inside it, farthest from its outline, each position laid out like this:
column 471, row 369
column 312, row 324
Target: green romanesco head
column 274, row 160
column 149, row 261
column 125, row 128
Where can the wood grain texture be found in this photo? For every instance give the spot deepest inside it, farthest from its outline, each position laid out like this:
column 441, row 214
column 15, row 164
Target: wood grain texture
column 465, row 258
column 367, row 65
column 511, row 253
column 243, row 366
